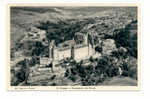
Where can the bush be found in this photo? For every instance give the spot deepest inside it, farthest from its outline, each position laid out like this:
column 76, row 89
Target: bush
column 22, row 74
column 91, row 59
column 125, row 73
column 130, row 68
column 133, row 72
column 128, row 39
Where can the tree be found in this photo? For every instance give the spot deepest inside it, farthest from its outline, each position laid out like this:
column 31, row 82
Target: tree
column 98, row 49
column 23, row 73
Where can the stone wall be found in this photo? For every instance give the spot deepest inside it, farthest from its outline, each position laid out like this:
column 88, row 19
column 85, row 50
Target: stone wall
column 44, row 61
column 81, row 53
column 59, row 55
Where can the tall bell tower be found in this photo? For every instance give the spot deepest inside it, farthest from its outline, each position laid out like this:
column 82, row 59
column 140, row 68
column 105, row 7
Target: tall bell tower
column 90, row 42
column 51, row 49
column 87, row 39
column 52, row 53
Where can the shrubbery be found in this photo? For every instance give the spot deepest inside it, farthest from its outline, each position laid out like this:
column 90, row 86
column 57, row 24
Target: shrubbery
column 105, row 67
column 92, row 75
column 22, row 73
column 125, row 38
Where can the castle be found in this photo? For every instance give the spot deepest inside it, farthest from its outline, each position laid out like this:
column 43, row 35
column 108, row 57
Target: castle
column 80, row 48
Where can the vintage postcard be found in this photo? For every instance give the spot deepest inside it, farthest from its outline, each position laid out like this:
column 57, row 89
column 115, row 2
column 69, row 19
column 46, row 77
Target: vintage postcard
column 73, row 47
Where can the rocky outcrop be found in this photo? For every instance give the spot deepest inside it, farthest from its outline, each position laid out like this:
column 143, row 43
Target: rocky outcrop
column 108, row 46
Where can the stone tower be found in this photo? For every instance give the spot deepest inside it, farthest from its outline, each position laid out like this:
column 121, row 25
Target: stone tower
column 51, row 49
column 52, row 53
column 86, row 39
column 72, row 50
column 90, row 42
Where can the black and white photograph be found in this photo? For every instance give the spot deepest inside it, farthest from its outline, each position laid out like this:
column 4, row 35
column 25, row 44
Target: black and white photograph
column 73, row 46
